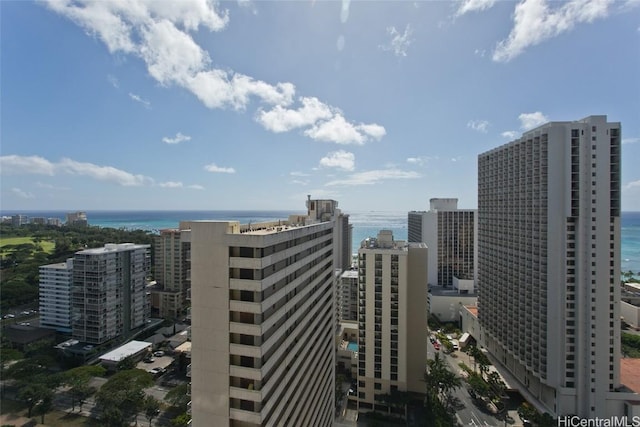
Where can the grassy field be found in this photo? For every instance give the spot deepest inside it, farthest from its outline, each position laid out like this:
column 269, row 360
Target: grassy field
column 46, row 245
column 11, row 408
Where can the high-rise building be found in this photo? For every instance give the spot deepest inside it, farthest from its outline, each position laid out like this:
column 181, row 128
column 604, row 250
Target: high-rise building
column 172, row 267
column 450, row 234
column 55, row 295
column 347, row 296
column 549, row 263
column 108, row 296
column 77, row 219
column 263, row 320
column 392, row 319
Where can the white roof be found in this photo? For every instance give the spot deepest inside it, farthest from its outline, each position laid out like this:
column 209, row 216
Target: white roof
column 125, row 351
column 464, row 337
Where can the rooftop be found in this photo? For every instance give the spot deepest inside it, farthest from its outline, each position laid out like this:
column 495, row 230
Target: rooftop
column 473, row 309
column 630, row 373
column 126, row 350
column 113, row 247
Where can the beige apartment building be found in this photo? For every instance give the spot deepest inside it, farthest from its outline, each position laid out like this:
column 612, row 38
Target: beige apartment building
column 172, row 272
column 392, row 319
column 263, row 320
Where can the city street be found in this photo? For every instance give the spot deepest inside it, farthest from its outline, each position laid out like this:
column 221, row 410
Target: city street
column 468, row 414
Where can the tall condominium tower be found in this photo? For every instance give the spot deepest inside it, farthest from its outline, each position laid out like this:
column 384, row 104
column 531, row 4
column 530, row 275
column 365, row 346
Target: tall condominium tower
column 172, row 266
column 55, row 295
column 392, row 318
column 108, row 297
column 263, row 320
column 450, row 234
column 549, row 263
column 347, row 296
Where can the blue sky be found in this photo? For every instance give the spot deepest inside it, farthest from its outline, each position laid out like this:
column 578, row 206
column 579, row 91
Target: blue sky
column 255, row 104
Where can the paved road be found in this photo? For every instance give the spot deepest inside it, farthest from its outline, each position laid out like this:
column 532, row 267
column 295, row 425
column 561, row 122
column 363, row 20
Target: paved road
column 469, row 414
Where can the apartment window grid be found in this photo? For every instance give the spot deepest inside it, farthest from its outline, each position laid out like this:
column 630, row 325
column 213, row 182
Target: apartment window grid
column 512, row 240
column 455, row 246
column 307, row 305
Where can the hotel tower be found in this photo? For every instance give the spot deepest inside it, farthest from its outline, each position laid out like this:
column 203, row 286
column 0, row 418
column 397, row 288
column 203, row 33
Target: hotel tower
column 549, row 263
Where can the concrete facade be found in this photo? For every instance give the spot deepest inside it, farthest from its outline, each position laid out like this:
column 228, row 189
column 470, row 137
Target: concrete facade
column 108, row 296
column 263, row 320
column 549, row 263
column 347, row 296
column 451, row 236
column 392, row 318
column 172, row 272
column 55, row 285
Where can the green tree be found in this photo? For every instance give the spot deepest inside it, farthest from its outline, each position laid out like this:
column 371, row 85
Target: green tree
column 151, row 408
column 441, row 382
column 478, row 385
column 126, row 364
column 31, row 395
column 181, row 420
column 45, row 403
column 121, row 398
column 179, row 397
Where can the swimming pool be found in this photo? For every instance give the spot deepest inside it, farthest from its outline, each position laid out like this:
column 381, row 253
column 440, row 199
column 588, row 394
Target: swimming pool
column 353, row 346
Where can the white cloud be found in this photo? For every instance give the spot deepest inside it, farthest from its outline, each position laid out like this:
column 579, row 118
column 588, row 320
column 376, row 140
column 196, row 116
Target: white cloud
column 531, row 120
column 137, row 98
column 632, row 185
column 281, row 119
column 344, row 11
column 103, row 173
column 159, row 33
column 399, row 43
column 339, row 159
column 630, row 140
column 473, row 6
column 51, row 187
column 300, row 181
column 218, row 169
column 17, row 165
column 37, row 165
column 511, row 134
column 480, row 52
column 296, row 173
column 535, row 21
column 22, row 194
column 248, row 4
column 374, row 176
column 338, row 130
column 178, row 184
column 478, row 125
column 113, row 80
column 420, row 160
column 171, row 184
column 177, row 139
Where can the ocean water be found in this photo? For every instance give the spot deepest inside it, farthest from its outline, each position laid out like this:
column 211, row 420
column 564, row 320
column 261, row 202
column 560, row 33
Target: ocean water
column 365, row 224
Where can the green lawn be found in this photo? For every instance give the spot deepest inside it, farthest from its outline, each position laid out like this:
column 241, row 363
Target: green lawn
column 53, row 419
column 46, row 245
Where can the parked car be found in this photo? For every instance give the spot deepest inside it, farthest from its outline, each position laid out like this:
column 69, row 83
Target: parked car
column 158, row 353
column 157, row 371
